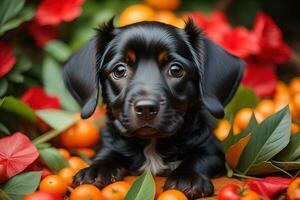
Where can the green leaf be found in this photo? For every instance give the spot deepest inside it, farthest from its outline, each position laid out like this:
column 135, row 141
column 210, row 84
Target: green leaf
column 57, row 119
column 22, row 184
column 18, row 108
column 54, row 85
column 244, row 97
column 58, row 49
column 3, row 86
column 292, row 165
column 267, row 139
column 233, row 139
column 3, row 129
column 42, row 146
column 3, row 195
column 9, row 9
column 54, row 160
column 143, row 188
column 263, row 168
column 25, row 15
column 292, row 151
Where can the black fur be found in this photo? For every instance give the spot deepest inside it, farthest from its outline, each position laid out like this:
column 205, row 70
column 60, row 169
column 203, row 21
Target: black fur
column 182, row 127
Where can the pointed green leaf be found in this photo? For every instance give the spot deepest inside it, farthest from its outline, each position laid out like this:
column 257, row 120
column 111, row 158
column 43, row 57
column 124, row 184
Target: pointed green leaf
column 293, row 165
column 22, row 184
column 267, row 139
column 262, row 168
column 54, row 84
column 3, row 129
column 9, row 9
column 143, row 188
column 3, row 86
column 54, row 160
column 292, row 151
column 57, row 119
column 17, row 107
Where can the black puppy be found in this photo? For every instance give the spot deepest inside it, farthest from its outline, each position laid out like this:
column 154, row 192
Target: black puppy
column 160, row 85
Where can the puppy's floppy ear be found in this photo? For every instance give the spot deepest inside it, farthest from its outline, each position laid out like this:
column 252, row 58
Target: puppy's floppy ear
column 220, row 72
column 80, row 71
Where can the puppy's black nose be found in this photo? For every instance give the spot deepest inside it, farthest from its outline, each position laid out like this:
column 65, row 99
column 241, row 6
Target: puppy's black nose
column 146, row 109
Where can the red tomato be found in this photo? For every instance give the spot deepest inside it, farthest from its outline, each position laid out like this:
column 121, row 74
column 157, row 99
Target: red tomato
column 234, row 192
column 39, row 195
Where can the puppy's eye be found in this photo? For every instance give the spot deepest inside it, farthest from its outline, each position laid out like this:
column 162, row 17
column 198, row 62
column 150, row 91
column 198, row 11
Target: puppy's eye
column 119, row 72
column 176, row 70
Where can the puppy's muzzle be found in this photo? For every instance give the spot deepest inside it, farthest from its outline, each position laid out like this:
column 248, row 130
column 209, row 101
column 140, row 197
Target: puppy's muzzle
column 146, row 109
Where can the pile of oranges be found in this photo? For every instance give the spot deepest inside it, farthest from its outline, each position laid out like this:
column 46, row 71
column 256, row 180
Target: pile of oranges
column 284, row 95
column 152, row 10
column 60, row 185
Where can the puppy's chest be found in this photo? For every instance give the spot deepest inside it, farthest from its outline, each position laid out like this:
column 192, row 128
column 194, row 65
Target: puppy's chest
column 155, row 162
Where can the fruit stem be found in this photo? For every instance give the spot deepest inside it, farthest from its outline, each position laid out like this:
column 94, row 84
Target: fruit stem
column 245, row 176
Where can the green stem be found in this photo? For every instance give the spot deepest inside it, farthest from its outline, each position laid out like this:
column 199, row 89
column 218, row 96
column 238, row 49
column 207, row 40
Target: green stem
column 3, row 195
column 245, row 176
column 46, row 136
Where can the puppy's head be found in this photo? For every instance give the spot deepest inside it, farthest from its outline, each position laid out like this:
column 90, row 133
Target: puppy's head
column 151, row 74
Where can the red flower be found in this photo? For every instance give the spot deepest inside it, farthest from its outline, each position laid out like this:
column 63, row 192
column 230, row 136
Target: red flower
column 261, row 78
column 42, row 34
column 37, row 99
column 273, row 48
column 7, row 59
column 268, row 187
column 53, row 12
column 240, row 42
column 16, row 153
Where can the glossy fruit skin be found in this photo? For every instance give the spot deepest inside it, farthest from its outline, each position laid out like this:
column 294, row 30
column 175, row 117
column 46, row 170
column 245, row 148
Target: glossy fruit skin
column 172, row 195
column 164, row 4
column 67, row 174
column 295, row 85
column 86, row 134
column 64, row 153
column 295, row 129
column 234, row 192
column 136, row 13
column 77, row 163
column 293, row 191
column 229, row 192
column 87, row 151
column 54, row 184
column 266, row 107
column 67, row 138
column 243, row 117
column 222, row 130
column 39, row 195
column 86, row 192
column 116, row 191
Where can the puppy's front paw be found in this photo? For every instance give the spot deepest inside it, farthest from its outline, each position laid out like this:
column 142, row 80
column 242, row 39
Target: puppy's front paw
column 99, row 175
column 193, row 185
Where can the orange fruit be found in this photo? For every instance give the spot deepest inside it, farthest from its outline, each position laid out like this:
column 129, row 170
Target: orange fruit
column 54, row 184
column 293, row 191
column 294, row 112
column 243, row 117
column 222, row 130
column 77, row 163
column 136, row 13
column 265, row 107
column 87, row 151
column 295, row 85
column 296, row 101
column 179, row 23
column 116, row 191
column 67, row 138
column 295, row 128
column 86, row 192
column 159, row 185
column 164, row 4
column 67, row 174
column 166, row 17
column 86, row 134
column 283, row 97
column 259, row 117
column 64, row 153
column 236, row 130
column 172, row 195
column 282, row 87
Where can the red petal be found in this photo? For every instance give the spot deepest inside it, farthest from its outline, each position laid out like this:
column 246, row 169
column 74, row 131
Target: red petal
column 16, row 153
column 268, row 187
column 261, row 78
column 37, row 99
column 42, row 34
column 273, row 48
column 53, row 12
column 241, row 42
column 7, row 59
